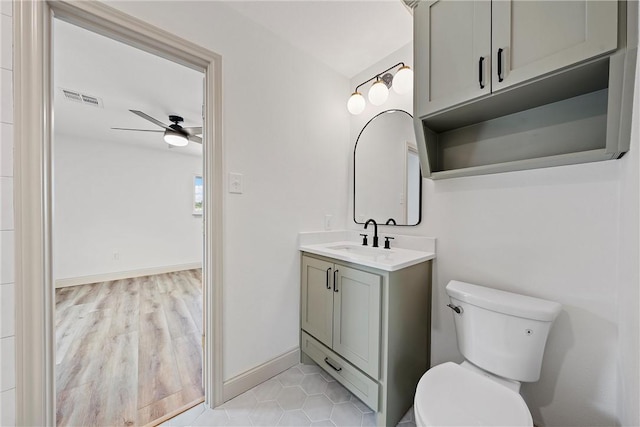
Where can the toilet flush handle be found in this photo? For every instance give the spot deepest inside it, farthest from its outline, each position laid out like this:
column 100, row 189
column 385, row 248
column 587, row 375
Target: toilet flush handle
column 455, row 308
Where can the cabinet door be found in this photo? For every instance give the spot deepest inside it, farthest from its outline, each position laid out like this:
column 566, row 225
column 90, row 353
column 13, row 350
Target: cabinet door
column 356, row 318
column 317, row 299
column 452, row 53
column 538, row 37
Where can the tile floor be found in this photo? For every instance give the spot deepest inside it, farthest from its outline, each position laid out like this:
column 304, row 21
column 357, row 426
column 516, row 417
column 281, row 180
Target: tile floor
column 301, row 396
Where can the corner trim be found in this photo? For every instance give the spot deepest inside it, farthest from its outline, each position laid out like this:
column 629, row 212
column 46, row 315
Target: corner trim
column 251, row 378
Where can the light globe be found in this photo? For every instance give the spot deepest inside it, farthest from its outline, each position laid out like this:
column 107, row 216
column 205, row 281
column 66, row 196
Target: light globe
column 403, row 81
column 378, row 93
column 356, row 103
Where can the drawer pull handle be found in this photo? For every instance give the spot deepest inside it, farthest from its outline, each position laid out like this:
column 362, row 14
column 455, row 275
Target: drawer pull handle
column 326, row 360
column 480, row 72
column 335, row 281
column 328, row 272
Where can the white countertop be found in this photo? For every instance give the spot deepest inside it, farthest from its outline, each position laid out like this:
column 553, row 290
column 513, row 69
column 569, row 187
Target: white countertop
column 383, row 259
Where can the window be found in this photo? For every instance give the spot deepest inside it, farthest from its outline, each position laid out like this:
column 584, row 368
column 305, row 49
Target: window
column 197, row 195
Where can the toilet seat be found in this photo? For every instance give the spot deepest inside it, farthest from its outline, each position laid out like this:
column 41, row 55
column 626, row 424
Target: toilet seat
column 451, row 395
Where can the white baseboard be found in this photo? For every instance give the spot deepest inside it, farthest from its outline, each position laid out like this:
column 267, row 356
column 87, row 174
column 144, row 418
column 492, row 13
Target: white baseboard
column 248, row 380
column 84, row 280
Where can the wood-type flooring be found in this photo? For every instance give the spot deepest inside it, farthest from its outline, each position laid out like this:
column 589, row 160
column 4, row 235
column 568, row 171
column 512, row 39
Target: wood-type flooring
column 128, row 352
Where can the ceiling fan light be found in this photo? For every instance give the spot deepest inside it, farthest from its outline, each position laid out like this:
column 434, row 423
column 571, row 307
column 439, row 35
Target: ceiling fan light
column 175, row 138
column 378, row 93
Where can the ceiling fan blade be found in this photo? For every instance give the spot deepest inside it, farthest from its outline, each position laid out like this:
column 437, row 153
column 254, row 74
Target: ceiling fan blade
column 194, row 138
column 149, row 118
column 139, row 130
column 193, row 130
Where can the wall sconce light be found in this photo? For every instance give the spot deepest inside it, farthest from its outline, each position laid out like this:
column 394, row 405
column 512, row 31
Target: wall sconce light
column 402, row 83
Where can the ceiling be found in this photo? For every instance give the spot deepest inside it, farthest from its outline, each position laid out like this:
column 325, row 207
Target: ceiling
column 124, row 78
column 348, row 36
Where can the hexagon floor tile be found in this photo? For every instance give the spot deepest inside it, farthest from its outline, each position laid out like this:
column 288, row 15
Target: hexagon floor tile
column 300, row 396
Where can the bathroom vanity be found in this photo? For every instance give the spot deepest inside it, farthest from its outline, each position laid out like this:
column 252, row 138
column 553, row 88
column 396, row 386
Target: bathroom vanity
column 365, row 319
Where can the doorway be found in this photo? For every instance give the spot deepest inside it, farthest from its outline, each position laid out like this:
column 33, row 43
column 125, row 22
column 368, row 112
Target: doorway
column 127, row 232
column 33, row 89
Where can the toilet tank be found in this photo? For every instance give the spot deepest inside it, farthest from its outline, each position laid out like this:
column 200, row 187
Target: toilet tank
column 502, row 332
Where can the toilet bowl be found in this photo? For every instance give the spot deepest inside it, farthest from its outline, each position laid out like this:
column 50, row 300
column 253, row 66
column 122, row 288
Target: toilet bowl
column 452, row 395
column 502, row 336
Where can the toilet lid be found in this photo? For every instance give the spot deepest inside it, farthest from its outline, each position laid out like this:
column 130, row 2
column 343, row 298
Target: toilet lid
column 450, row 395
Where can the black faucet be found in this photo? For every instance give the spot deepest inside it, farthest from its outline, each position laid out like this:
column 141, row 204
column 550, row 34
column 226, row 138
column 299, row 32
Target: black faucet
column 390, row 221
column 375, row 231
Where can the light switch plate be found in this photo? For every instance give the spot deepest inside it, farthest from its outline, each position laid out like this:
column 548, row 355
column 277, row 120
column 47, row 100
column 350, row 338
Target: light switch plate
column 235, row 183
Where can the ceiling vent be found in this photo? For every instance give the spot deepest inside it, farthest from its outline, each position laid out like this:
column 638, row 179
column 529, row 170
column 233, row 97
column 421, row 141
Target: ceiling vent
column 72, row 95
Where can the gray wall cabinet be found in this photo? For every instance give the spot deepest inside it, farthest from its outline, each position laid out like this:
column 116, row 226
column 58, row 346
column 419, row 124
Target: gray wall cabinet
column 499, row 85
column 369, row 329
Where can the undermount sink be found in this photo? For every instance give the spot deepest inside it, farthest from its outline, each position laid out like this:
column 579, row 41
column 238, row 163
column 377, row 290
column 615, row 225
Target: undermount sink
column 360, row 250
column 383, row 259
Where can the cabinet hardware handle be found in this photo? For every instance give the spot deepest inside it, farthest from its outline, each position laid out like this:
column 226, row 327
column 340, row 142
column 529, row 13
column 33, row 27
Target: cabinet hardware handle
column 326, row 360
column 335, row 280
column 500, row 51
column 481, row 71
column 328, row 272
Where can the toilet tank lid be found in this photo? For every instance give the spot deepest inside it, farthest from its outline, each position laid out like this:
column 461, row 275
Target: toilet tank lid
column 504, row 302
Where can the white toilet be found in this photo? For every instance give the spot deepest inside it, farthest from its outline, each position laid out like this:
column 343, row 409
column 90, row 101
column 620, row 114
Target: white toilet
column 502, row 337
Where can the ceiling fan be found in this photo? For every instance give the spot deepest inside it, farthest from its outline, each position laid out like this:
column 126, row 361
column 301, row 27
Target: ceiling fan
column 174, row 134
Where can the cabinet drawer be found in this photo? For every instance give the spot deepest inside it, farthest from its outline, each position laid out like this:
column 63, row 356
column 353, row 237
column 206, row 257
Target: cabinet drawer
column 363, row 387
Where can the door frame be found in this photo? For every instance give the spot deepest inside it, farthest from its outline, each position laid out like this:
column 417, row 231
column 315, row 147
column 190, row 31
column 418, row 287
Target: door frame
column 33, row 103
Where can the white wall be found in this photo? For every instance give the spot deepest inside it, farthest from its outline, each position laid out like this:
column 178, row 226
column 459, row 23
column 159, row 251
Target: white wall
column 629, row 276
column 286, row 129
column 115, row 197
column 7, row 287
column 569, row 234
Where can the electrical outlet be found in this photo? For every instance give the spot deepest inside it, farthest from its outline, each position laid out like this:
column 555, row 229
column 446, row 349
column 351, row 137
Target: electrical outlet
column 328, row 222
column 116, row 256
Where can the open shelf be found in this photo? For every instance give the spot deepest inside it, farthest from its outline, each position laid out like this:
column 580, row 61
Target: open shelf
column 572, row 116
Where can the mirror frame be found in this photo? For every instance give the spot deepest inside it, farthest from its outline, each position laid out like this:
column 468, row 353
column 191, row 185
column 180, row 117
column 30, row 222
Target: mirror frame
column 392, row 110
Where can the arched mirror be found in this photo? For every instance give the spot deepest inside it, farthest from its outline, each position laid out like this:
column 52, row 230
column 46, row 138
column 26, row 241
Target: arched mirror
column 387, row 183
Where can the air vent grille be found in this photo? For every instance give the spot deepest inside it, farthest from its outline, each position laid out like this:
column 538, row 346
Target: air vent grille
column 75, row 96
column 72, row 96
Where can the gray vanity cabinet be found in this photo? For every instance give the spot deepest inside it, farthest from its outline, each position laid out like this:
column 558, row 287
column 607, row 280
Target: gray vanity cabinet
column 368, row 328
column 341, row 308
column 466, row 49
column 317, row 299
